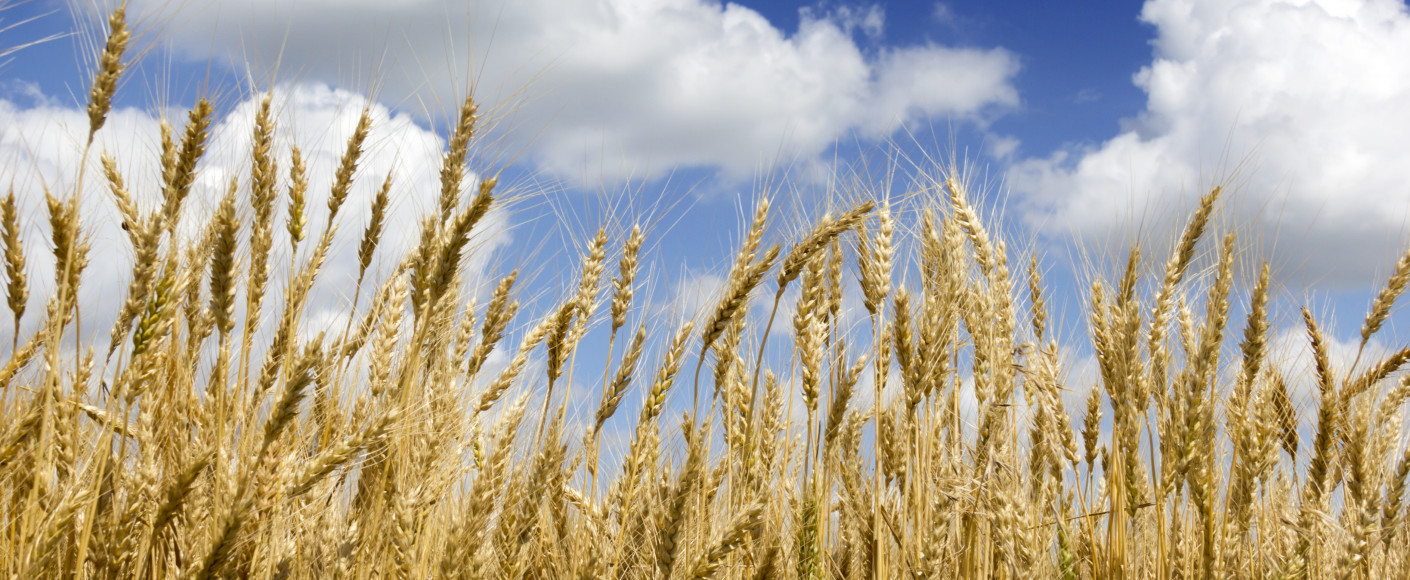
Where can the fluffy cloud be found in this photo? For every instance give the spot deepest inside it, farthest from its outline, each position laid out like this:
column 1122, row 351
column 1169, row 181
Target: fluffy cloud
column 42, row 143
column 694, row 299
column 1309, row 96
column 615, row 87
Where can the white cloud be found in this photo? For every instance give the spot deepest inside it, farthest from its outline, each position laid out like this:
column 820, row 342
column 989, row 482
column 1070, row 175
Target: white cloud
column 694, row 298
column 1311, row 92
column 871, row 20
column 942, row 13
column 1001, row 147
column 617, row 87
column 41, row 147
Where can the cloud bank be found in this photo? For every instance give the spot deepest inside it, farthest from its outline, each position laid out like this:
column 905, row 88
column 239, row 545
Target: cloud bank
column 616, row 87
column 41, row 146
column 1310, row 94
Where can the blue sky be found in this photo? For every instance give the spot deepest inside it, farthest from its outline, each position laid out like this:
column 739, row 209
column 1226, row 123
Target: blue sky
column 1077, row 57
column 1091, row 121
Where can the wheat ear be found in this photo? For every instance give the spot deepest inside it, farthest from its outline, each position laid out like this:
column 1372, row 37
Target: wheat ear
column 16, row 287
column 100, row 97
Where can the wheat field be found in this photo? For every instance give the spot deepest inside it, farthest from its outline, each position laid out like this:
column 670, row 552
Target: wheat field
column 189, row 444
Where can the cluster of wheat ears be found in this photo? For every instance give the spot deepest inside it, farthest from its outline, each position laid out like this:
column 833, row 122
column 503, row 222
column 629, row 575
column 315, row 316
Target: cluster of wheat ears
column 197, row 446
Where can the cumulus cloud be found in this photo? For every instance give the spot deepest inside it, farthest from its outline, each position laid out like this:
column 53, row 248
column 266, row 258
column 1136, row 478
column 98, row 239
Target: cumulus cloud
column 1290, row 353
column 617, row 87
column 694, row 298
column 1310, row 93
column 42, row 144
